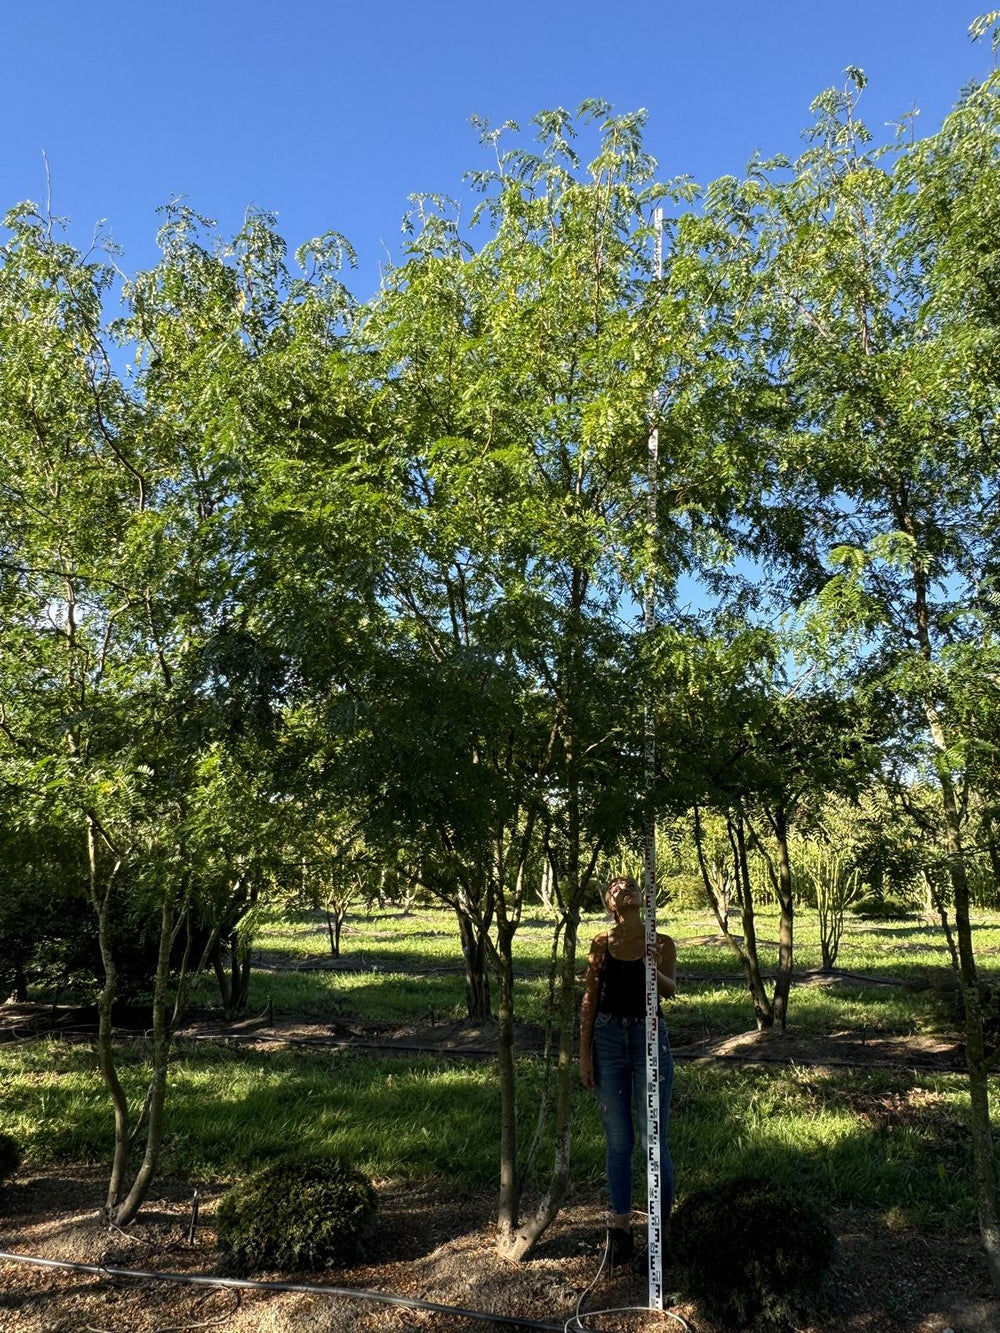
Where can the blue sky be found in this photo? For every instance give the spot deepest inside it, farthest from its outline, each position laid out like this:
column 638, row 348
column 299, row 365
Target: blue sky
column 332, row 113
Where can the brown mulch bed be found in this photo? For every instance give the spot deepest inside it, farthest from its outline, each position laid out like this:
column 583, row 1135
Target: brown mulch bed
column 434, row 1243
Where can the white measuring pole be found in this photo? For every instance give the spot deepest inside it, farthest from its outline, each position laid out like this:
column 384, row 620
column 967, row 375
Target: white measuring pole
column 653, row 1182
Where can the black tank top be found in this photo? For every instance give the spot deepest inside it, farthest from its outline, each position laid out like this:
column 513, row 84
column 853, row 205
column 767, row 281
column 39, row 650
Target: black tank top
column 623, row 986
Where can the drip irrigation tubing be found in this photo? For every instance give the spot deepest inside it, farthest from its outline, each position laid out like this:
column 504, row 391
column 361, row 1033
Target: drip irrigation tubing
column 574, row 1324
column 299, row 1288
column 681, row 1054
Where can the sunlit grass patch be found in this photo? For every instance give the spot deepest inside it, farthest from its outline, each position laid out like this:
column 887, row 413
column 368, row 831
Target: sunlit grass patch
column 885, row 1139
column 228, row 1111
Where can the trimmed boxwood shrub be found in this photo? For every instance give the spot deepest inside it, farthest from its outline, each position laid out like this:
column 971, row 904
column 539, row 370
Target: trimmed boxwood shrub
column 298, row 1213
column 10, row 1157
column 750, row 1252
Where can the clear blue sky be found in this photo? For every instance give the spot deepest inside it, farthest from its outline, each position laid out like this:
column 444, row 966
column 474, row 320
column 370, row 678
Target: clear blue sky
column 332, row 113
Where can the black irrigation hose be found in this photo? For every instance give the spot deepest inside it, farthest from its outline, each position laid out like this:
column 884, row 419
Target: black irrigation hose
column 301, row 1288
column 681, row 1054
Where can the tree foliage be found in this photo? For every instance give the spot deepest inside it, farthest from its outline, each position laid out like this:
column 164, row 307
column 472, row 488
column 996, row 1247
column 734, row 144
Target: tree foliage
column 300, row 596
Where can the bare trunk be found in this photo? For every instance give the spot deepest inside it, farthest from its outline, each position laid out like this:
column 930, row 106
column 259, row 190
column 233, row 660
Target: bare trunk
column 762, row 1007
column 477, row 976
column 783, row 980
column 520, row 1242
column 335, row 917
column 990, row 833
column 984, row 1175
column 126, row 1213
column 225, row 990
column 977, row 1060
column 20, row 991
column 240, row 984
column 510, row 1181
column 100, row 896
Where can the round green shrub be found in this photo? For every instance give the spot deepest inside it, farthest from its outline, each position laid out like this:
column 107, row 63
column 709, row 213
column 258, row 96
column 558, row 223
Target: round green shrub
column 10, row 1157
column 874, row 907
column 750, row 1252
column 297, row 1213
column 685, row 892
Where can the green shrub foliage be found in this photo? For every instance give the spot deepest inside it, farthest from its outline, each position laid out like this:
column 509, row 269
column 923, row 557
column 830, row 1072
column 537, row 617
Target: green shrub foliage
column 876, row 908
column 297, row 1213
column 10, row 1157
column 750, row 1252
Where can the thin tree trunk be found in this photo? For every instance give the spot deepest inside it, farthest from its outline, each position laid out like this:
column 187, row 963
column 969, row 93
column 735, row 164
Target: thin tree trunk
column 225, row 990
column 747, row 953
column 783, row 979
column 100, row 896
column 477, row 976
column 241, row 978
column 510, row 1180
column 984, row 1175
column 158, row 1076
column 332, row 934
column 977, row 1061
column 990, row 833
column 519, row 1244
column 762, row 1007
column 20, row 991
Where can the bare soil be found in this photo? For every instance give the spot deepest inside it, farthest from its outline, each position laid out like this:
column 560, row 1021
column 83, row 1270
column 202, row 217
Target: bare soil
column 433, row 1243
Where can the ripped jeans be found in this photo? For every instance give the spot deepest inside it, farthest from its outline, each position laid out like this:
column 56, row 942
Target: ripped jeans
column 620, row 1084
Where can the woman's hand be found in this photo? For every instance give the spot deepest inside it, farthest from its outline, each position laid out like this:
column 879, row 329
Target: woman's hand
column 666, row 968
column 587, row 1070
column 666, row 985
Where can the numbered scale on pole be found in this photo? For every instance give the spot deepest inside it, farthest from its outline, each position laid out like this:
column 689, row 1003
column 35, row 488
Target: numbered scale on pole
column 653, row 1181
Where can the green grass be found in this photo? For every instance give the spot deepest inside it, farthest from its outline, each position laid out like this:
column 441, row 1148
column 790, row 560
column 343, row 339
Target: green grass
column 409, row 968
column 884, row 1139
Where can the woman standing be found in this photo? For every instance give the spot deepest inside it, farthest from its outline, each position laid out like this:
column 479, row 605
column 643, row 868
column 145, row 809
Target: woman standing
column 613, row 1050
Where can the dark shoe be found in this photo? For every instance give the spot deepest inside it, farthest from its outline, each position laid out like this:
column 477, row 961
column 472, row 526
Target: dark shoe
column 621, row 1247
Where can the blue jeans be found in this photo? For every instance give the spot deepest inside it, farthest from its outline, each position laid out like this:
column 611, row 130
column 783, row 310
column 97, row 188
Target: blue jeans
column 620, row 1083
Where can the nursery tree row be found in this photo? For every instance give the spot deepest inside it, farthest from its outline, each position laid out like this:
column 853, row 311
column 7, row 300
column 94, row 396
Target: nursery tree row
column 295, row 588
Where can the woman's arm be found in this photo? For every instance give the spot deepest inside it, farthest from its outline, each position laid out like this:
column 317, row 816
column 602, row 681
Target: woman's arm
column 666, row 967
column 588, row 1008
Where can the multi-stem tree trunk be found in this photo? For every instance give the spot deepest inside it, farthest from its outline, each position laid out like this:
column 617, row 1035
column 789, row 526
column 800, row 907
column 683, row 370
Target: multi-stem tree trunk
column 234, row 985
column 101, row 889
column 336, row 915
column 763, row 1008
column 780, row 876
column 475, row 952
column 517, row 1242
column 126, row 1211
column 118, row 1209
column 747, row 952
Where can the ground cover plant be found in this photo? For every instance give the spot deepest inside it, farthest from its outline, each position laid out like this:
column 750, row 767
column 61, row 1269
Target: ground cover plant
column 298, row 1213
column 778, row 1248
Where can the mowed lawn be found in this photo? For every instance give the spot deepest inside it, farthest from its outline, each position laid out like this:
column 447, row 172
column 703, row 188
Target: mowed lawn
column 890, row 1139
